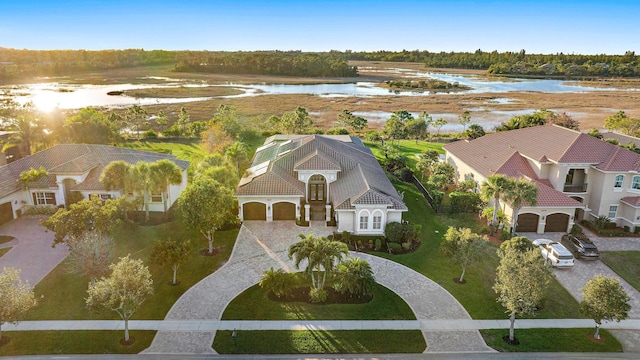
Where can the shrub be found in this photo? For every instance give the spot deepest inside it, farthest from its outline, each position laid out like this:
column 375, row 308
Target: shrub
column 505, row 235
column 150, row 134
column 318, row 295
column 394, row 247
column 464, row 201
column 346, row 237
column 636, row 230
column 576, row 229
column 601, row 222
column 405, row 174
column 484, row 229
column 338, row 131
column 406, row 246
column 378, row 244
column 394, row 232
column 626, row 228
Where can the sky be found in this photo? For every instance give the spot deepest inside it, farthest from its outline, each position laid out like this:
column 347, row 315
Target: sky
column 542, row 26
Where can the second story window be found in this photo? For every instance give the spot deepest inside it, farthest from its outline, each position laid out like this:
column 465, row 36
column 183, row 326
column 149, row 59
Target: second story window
column 618, row 183
column 635, row 184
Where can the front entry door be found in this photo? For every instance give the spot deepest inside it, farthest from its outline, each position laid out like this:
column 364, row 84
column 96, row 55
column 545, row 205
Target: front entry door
column 316, row 192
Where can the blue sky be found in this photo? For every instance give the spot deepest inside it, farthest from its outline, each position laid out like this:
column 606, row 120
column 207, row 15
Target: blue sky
column 543, row 26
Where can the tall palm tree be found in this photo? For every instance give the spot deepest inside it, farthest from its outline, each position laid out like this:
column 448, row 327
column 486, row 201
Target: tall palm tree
column 236, row 153
column 26, row 129
column 496, row 186
column 320, row 254
column 355, row 276
column 521, row 192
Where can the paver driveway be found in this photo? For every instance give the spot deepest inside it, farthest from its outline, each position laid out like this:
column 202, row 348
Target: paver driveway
column 31, row 250
column 261, row 245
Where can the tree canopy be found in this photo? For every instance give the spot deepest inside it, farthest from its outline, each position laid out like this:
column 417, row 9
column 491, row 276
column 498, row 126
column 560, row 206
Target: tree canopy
column 16, row 297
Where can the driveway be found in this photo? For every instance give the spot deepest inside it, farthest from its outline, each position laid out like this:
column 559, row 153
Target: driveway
column 261, row 245
column 31, row 250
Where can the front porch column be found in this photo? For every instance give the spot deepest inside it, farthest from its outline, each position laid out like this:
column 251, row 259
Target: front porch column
column 328, row 217
column 269, row 212
column 307, row 211
column 541, row 224
column 240, row 214
column 298, row 212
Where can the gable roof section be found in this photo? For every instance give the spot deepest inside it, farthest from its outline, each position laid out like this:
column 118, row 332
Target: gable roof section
column 632, row 200
column 360, row 177
column 550, row 197
column 75, row 159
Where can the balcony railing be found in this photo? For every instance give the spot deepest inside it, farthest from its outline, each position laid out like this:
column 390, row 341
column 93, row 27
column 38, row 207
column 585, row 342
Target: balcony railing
column 575, row 188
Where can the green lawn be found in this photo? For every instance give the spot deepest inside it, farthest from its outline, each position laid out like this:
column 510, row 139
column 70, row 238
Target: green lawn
column 185, row 149
column 4, row 251
column 5, row 239
column 253, row 304
column 409, row 148
column 624, row 263
column 73, row 342
column 63, row 293
column 320, row 342
column 552, row 340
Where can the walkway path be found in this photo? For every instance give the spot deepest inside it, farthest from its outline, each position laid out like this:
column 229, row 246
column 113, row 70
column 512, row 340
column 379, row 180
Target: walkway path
column 262, row 245
column 246, row 325
column 31, row 250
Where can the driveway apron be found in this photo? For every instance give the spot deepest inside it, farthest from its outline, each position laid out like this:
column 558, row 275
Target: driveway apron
column 31, row 250
column 261, row 245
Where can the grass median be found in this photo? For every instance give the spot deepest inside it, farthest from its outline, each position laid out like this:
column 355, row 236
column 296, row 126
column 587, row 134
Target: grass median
column 552, row 340
column 320, row 342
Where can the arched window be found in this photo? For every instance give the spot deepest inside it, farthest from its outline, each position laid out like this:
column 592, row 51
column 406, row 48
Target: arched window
column 364, row 220
column 635, row 184
column 618, row 183
column 377, row 220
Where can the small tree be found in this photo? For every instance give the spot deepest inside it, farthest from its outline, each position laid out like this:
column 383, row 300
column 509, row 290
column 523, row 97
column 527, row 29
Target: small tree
column 279, row 282
column 439, row 123
column 521, row 281
column 463, row 247
column 91, row 255
column 124, row 291
column 604, row 299
column 32, row 175
column 197, row 210
column 173, row 253
column 464, row 119
column 16, row 297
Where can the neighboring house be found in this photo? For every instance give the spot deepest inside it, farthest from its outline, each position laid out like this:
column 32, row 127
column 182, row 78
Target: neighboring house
column 622, row 139
column 318, row 177
column 73, row 168
column 578, row 176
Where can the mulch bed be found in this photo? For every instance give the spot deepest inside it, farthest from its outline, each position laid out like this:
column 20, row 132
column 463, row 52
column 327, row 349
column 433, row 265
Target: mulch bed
column 205, row 252
column 457, row 281
column 301, row 294
column 5, row 340
column 127, row 343
column 599, row 341
column 515, row 341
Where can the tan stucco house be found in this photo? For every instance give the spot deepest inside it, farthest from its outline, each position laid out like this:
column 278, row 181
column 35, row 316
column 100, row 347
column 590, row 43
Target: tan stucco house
column 319, row 177
column 578, row 176
column 74, row 168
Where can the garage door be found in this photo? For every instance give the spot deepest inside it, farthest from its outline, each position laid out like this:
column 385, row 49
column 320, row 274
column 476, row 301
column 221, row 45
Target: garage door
column 527, row 223
column 557, row 223
column 254, row 211
column 284, row 211
column 6, row 213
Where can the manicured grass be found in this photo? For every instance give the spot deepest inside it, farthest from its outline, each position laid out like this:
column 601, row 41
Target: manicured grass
column 409, row 148
column 4, row 251
column 73, row 342
column 477, row 295
column 63, row 293
column 185, row 149
column 624, row 263
column 320, row 342
column 253, row 304
column 552, row 340
column 5, row 238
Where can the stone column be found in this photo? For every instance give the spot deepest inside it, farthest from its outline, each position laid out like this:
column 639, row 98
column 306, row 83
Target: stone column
column 307, row 211
column 328, row 217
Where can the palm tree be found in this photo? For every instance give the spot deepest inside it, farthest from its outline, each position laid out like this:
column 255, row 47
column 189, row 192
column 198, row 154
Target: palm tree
column 355, row 276
column 165, row 173
column 32, row 175
column 320, row 254
column 493, row 188
column 115, row 175
column 236, row 153
column 26, row 129
column 277, row 281
column 521, row 192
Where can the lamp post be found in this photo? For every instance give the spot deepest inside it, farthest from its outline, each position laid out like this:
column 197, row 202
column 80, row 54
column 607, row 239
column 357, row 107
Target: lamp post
column 234, row 336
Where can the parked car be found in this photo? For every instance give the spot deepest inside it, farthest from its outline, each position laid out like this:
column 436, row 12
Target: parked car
column 582, row 248
column 554, row 253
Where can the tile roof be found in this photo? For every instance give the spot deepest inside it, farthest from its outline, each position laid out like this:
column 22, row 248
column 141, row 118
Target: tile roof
column 542, row 144
column 622, row 139
column 75, row 159
column 550, row 197
column 360, row 178
column 632, row 200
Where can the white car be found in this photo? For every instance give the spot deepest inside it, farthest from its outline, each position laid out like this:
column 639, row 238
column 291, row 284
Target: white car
column 554, row 253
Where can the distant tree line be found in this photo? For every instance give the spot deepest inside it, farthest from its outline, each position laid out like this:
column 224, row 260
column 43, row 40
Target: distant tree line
column 293, row 63
column 15, row 63
column 514, row 63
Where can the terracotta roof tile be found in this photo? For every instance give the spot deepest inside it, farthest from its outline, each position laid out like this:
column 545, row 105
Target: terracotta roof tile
column 632, row 200
column 550, row 197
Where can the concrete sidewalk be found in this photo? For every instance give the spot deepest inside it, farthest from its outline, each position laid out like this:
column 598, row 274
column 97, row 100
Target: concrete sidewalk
column 211, row 325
